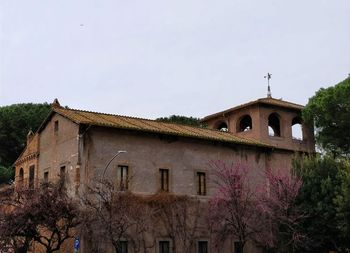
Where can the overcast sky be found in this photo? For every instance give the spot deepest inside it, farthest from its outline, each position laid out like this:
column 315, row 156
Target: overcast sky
column 157, row 58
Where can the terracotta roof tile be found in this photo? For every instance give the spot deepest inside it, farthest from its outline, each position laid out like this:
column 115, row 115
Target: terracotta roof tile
column 146, row 125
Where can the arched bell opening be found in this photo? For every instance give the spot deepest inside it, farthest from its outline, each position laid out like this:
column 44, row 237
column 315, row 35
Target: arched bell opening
column 222, row 126
column 274, row 126
column 244, row 124
column 297, row 129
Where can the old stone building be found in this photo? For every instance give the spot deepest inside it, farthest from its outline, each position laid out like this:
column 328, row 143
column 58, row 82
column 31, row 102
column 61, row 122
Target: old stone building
column 162, row 156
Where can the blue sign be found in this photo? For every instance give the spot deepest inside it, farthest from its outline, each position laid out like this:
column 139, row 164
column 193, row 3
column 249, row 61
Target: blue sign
column 76, row 243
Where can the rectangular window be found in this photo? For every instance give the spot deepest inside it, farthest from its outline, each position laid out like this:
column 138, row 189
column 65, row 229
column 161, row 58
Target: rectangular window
column 122, row 247
column 63, row 174
column 56, row 126
column 31, row 176
column 238, row 186
column 123, row 177
column 201, row 183
column 164, row 247
column 46, row 176
column 237, row 247
column 164, row 179
column 202, row 247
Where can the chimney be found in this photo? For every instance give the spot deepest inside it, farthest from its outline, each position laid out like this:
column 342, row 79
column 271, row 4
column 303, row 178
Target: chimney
column 55, row 103
column 30, row 136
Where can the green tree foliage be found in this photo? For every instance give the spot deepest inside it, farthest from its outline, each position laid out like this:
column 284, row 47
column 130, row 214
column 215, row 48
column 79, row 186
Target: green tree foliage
column 329, row 109
column 191, row 121
column 324, row 195
column 15, row 122
column 6, row 174
column 343, row 203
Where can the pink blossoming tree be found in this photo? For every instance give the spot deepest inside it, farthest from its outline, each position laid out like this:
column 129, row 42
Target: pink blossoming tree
column 231, row 209
column 264, row 211
column 280, row 215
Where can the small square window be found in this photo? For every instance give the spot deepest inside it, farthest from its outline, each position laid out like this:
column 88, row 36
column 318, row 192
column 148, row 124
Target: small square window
column 164, row 179
column 201, row 183
column 237, row 247
column 202, row 247
column 122, row 247
column 164, row 246
column 46, row 176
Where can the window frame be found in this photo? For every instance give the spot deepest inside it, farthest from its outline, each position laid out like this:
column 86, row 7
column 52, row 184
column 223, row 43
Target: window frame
column 122, row 180
column 21, row 176
column 235, row 244
column 164, row 179
column 46, row 176
column 56, row 126
column 31, row 177
column 127, row 246
column 201, row 241
column 163, row 239
column 201, row 191
column 63, row 174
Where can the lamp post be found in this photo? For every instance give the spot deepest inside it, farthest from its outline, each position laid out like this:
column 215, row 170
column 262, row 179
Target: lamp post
column 105, row 169
column 102, row 178
column 104, row 172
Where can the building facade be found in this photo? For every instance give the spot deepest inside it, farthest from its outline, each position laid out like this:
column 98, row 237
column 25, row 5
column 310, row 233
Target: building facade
column 162, row 156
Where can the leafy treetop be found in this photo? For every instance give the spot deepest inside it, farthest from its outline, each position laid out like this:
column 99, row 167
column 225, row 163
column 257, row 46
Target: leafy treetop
column 15, row 122
column 191, row 121
column 329, row 109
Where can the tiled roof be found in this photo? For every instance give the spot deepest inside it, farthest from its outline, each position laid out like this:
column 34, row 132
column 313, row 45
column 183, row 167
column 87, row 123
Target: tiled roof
column 266, row 101
column 151, row 126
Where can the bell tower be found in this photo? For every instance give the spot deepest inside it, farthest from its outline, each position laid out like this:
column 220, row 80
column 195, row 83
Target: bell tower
column 268, row 120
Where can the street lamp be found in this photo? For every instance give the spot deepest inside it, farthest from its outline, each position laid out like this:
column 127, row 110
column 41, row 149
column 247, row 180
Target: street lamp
column 102, row 178
column 105, row 169
column 104, row 172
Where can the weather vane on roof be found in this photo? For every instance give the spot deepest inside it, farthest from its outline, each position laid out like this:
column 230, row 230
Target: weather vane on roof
column 268, row 77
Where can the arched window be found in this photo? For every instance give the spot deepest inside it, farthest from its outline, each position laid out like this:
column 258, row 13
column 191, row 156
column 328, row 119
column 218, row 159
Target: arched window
column 297, row 130
column 244, row 124
column 222, row 126
column 274, row 125
column 20, row 177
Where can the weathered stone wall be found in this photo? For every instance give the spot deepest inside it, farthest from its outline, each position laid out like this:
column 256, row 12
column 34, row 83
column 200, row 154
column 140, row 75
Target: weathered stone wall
column 147, row 153
column 27, row 159
column 59, row 149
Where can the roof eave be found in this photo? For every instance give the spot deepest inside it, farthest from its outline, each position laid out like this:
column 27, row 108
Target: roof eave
column 259, row 101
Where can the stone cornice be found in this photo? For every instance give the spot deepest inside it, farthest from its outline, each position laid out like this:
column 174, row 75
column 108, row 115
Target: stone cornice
column 27, row 158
